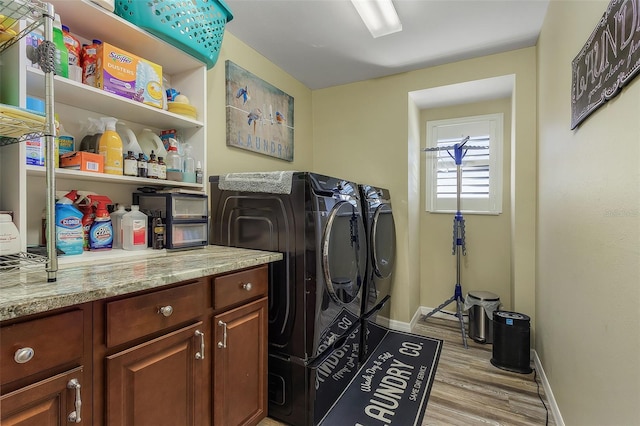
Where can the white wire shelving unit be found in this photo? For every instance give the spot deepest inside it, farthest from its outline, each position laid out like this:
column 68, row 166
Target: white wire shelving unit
column 34, row 13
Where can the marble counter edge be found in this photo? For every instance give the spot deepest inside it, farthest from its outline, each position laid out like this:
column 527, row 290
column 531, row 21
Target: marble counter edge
column 147, row 274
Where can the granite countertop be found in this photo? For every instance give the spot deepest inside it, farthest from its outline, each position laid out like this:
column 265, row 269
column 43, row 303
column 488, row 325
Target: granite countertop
column 25, row 293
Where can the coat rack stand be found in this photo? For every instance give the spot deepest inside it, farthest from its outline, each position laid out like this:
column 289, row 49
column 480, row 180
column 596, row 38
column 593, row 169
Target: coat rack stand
column 459, row 248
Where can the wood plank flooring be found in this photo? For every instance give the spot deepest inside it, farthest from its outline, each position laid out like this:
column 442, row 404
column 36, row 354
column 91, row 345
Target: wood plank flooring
column 469, row 390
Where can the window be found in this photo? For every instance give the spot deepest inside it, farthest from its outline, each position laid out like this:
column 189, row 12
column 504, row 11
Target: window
column 481, row 169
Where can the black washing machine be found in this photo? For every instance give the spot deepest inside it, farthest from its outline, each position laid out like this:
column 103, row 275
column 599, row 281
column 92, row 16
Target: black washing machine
column 315, row 292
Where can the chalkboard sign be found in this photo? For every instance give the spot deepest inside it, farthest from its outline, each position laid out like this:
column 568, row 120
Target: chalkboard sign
column 609, row 60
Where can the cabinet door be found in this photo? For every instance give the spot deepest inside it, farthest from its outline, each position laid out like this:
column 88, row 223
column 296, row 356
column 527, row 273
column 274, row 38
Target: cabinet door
column 240, row 359
column 159, row 382
column 54, row 401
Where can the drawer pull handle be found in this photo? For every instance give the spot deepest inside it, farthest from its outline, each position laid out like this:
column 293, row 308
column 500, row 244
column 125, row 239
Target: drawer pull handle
column 74, row 417
column 223, row 344
column 166, row 310
column 23, row 355
column 247, row 286
column 200, row 355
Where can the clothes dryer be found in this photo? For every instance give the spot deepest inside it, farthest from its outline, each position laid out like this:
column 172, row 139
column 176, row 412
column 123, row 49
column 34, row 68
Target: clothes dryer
column 315, row 293
column 381, row 255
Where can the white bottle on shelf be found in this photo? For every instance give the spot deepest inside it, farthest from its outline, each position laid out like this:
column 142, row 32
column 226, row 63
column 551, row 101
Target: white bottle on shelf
column 134, row 229
column 116, row 221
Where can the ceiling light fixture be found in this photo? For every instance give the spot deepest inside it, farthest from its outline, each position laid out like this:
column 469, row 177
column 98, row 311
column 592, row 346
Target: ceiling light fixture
column 379, row 16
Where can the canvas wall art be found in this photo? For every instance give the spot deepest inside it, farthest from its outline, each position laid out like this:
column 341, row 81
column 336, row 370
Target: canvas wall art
column 259, row 115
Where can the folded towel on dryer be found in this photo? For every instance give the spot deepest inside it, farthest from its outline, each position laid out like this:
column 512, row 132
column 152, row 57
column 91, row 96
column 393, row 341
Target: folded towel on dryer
column 269, row 182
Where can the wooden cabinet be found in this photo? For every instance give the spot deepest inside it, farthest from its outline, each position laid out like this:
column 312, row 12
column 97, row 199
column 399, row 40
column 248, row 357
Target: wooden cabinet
column 240, row 347
column 240, row 357
column 152, row 357
column 191, row 353
column 159, row 382
column 53, row 401
column 45, row 369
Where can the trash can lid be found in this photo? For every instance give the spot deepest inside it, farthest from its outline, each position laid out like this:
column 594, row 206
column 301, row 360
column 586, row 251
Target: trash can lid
column 483, row 295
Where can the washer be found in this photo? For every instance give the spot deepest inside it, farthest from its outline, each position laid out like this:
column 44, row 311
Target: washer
column 315, row 292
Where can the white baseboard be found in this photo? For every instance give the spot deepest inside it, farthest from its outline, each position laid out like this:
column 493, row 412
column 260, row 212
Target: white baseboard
column 553, row 405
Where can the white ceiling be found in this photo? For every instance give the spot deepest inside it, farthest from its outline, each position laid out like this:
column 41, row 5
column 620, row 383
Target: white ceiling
column 323, row 43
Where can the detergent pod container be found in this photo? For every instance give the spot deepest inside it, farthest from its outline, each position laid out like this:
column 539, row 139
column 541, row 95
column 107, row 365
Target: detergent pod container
column 69, row 233
column 149, row 141
column 101, row 232
column 110, row 147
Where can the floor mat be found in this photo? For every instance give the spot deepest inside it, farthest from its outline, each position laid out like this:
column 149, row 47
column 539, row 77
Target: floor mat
column 392, row 387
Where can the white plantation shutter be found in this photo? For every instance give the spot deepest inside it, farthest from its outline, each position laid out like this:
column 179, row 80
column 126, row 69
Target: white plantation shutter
column 481, row 168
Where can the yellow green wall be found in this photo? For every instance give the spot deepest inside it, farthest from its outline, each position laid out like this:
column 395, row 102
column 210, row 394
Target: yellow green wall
column 370, row 132
column 588, row 273
column 487, row 265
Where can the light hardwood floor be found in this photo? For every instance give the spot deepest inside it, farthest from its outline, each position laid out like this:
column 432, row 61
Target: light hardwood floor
column 469, row 390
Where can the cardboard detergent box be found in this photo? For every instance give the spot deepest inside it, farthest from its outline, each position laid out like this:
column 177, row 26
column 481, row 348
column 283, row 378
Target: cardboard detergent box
column 128, row 75
column 84, row 161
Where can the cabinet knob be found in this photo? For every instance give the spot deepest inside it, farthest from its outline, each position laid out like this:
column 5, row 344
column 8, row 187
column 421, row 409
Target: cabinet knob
column 23, row 355
column 247, row 286
column 166, row 310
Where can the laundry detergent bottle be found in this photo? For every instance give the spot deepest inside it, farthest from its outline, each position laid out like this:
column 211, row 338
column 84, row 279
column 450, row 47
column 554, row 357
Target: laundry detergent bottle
column 69, row 232
column 101, row 232
column 110, row 147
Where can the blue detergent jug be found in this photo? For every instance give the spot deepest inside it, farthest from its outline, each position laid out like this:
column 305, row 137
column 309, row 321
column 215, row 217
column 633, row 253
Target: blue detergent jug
column 69, row 232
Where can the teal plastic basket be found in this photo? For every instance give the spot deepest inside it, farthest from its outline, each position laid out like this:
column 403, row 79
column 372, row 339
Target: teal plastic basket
column 193, row 26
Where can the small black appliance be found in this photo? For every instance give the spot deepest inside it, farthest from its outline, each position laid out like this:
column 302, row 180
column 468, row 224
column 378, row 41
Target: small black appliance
column 511, row 341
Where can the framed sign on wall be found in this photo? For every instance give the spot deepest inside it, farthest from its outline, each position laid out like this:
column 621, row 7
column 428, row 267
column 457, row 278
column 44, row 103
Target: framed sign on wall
column 259, row 115
column 609, row 60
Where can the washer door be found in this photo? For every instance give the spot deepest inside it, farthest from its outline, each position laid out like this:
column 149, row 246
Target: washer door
column 344, row 253
column 383, row 241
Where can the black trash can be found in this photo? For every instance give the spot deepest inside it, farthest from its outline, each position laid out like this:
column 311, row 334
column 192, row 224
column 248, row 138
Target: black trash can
column 511, row 341
column 480, row 324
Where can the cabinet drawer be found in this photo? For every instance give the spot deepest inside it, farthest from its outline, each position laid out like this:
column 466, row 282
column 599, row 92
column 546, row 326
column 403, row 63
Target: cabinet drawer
column 40, row 344
column 240, row 286
column 138, row 316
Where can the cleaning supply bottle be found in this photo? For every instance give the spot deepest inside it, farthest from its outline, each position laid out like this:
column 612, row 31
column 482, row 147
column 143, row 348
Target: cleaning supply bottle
column 199, row 172
column 111, row 147
column 116, row 221
column 142, row 166
column 69, row 236
column 134, row 229
column 130, row 164
column 85, row 205
column 152, row 167
column 174, row 162
column 101, row 233
column 61, row 59
column 189, row 169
